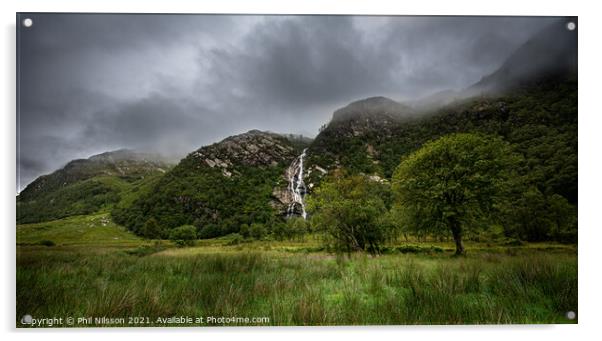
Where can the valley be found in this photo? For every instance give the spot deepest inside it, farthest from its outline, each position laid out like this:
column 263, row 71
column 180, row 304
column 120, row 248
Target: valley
column 441, row 210
column 109, row 272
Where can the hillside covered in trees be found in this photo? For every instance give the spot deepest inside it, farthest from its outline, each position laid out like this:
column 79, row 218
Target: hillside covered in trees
column 261, row 180
column 243, row 181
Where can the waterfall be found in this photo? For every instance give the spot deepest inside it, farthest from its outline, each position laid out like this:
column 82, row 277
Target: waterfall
column 296, row 185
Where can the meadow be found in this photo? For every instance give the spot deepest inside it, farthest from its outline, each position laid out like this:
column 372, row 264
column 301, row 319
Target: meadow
column 94, row 268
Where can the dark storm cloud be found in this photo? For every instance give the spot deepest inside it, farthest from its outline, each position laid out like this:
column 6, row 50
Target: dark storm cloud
column 91, row 83
column 298, row 61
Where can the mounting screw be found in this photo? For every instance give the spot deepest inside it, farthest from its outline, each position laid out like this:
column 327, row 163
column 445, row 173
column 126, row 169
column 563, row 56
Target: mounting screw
column 571, row 26
column 27, row 22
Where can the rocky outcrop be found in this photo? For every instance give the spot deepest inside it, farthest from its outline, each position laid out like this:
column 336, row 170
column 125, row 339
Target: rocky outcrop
column 283, row 197
column 254, row 148
column 372, row 111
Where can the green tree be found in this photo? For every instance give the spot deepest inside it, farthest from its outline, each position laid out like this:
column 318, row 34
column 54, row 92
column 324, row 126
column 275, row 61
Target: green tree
column 564, row 216
column 257, row 231
column 280, row 230
column 349, row 210
column 296, row 228
column 183, row 235
column 454, row 183
column 210, row 231
column 535, row 217
column 244, row 231
column 152, row 230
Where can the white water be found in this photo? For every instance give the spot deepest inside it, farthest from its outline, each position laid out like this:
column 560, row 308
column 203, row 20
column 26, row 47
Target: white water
column 296, row 186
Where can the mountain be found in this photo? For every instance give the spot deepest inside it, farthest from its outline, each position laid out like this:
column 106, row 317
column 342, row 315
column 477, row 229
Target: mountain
column 373, row 110
column 220, row 187
column 536, row 117
column 259, row 178
column 351, row 138
column 123, row 163
column 86, row 185
column 370, row 136
column 552, row 53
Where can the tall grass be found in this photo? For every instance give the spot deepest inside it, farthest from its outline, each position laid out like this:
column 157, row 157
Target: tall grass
column 300, row 289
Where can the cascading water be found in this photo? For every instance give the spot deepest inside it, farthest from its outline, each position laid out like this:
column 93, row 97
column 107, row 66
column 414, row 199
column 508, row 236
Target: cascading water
column 296, row 185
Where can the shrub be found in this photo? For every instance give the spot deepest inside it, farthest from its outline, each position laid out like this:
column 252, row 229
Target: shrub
column 296, row 228
column 257, row 231
column 46, row 242
column 210, row 231
column 145, row 250
column 183, row 235
column 236, row 239
column 152, row 230
column 244, row 231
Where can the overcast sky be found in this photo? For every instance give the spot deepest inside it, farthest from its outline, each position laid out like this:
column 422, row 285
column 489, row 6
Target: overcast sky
column 173, row 83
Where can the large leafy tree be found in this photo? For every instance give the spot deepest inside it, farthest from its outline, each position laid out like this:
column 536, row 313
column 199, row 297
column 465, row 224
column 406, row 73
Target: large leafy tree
column 350, row 211
column 453, row 184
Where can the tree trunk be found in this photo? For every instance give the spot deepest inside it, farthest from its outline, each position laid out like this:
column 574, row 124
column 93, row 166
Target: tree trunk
column 457, row 233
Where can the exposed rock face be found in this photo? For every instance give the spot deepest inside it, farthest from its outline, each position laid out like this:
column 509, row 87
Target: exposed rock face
column 257, row 149
column 375, row 115
column 355, row 134
column 254, row 148
column 283, row 198
column 376, row 178
column 286, row 201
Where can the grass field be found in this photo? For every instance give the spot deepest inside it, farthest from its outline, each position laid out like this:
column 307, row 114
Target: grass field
column 94, row 230
column 96, row 269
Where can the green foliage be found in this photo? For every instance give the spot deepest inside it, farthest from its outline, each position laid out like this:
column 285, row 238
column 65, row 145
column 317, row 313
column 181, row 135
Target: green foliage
column 86, row 186
column 194, row 193
column 210, row 231
column 350, row 210
column 280, row 231
column 236, row 239
column 152, row 230
column 550, row 158
column 294, row 228
column 183, row 235
column 245, row 231
column 454, row 184
column 540, row 122
column 297, row 227
column 47, row 242
column 77, row 230
column 257, row 231
column 533, row 216
column 564, row 218
column 417, row 249
column 80, row 198
column 301, row 289
column 146, row 250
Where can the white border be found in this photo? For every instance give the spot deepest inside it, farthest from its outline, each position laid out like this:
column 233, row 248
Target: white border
column 590, row 279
